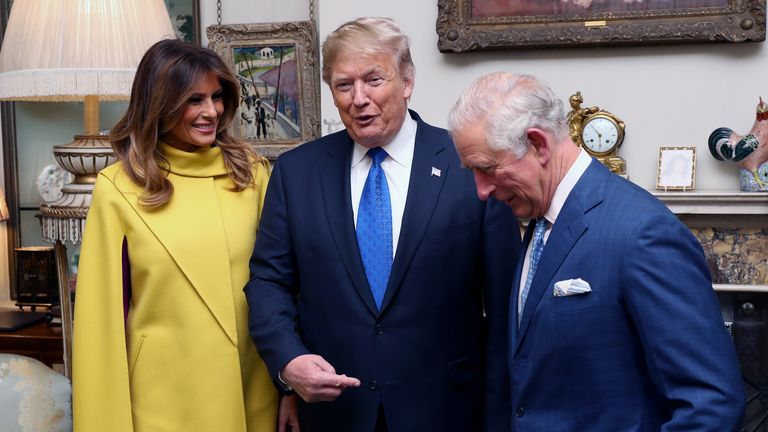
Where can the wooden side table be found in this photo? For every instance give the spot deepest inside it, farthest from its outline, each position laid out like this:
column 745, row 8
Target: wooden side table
column 39, row 341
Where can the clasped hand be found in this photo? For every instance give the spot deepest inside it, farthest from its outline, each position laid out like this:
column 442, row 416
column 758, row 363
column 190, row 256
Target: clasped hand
column 314, row 379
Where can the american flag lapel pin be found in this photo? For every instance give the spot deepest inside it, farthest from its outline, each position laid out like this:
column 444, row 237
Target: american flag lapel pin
column 436, row 172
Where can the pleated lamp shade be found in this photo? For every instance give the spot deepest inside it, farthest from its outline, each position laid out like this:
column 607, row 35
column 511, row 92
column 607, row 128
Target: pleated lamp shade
column 64, row 50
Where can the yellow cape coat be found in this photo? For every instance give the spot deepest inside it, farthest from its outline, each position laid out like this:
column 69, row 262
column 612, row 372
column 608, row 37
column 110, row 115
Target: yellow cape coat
column 183, row 360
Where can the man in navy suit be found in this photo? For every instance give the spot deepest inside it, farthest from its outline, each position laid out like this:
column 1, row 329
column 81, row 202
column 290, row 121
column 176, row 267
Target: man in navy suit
column 619, row 328
column 378, row 278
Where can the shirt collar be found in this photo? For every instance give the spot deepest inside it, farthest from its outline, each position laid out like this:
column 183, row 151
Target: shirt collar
column 398, row 149
column 566, row 185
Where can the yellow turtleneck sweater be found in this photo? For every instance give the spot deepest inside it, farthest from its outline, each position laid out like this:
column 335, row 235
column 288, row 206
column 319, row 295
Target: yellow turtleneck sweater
column 182, row 358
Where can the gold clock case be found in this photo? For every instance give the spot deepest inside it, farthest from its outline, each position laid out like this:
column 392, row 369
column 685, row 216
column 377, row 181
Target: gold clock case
column 578, row 117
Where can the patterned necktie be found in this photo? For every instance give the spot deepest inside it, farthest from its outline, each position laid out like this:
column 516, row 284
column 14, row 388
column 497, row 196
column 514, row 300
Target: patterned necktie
column 374, row 227
column 537, row 249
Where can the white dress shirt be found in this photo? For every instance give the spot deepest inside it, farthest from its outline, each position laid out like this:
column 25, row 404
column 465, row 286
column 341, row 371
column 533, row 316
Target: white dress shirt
column 396, row 166
column 558, row 201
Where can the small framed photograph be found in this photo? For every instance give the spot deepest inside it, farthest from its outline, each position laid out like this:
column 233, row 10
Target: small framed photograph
column 676, row 169
column 277, row 67
column 185, row 17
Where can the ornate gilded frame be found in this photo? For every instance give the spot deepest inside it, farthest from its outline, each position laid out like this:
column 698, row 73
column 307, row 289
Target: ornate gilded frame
column 733, row 21
column 299, row 40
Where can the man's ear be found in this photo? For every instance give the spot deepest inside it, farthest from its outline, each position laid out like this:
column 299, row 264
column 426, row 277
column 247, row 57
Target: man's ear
column 541, row 143
column 408, row 88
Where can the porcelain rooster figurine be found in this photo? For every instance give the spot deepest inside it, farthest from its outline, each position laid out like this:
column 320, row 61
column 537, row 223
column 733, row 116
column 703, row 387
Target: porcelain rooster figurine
column 749, row 151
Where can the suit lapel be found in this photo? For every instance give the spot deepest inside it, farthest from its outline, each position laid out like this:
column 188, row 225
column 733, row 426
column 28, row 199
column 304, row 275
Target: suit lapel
column 208, row 272
column 423, row 192
column 335, row 187
column 570, row 226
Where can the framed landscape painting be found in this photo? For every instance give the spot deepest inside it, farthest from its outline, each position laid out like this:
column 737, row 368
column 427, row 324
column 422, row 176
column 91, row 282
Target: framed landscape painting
column 276, row 66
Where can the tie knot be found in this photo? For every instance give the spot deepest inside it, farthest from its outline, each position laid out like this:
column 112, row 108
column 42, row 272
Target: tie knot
column 377, row 155
column 541, row 226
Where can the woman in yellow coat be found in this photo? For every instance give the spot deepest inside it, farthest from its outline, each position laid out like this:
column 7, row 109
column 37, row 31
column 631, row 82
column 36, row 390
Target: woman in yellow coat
column 161, row 336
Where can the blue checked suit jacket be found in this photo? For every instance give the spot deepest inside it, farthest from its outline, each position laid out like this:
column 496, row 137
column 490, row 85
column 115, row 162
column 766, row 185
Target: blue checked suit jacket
column 646, row 350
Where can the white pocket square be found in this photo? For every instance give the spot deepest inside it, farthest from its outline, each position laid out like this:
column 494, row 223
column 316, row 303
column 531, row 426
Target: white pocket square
column 570, row 287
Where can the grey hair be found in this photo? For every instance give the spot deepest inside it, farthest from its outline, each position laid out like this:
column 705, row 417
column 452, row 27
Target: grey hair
column 368, row 36
column 509, row 104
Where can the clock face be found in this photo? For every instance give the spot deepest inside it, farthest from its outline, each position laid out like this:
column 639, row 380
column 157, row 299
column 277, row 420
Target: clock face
column 601, row 135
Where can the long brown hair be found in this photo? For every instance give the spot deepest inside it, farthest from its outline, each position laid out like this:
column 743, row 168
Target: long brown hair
column 163, row 83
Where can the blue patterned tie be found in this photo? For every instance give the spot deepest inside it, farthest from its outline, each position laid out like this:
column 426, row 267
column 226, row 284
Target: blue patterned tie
column 374, row 227
column 538, row 248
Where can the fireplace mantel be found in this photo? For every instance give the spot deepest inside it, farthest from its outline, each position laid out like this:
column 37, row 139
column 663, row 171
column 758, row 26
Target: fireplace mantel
column 715, row 202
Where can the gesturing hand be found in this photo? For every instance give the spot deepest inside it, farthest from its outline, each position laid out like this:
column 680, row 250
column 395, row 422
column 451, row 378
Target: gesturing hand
column 314, row 379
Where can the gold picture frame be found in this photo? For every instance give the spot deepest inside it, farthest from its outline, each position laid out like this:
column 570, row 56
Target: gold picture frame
column 467, row 25
column 676, row 169
column 185, row 18
column 277, row 67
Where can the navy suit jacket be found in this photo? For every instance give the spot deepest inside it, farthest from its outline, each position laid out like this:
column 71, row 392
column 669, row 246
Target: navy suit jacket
column 646, row 349
column 425, row 356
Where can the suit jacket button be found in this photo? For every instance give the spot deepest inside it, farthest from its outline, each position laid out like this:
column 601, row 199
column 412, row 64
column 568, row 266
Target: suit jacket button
column 379, row 329
column 520, row 411
column 373, row 385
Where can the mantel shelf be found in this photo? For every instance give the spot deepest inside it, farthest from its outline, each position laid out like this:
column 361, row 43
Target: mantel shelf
column 714, row 202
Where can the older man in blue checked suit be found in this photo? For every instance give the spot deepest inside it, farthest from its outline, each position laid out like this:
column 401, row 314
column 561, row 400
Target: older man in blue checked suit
column 614, row 325
column 379, row 282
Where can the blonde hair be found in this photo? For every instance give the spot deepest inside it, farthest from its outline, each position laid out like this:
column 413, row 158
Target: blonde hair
column 366, row 36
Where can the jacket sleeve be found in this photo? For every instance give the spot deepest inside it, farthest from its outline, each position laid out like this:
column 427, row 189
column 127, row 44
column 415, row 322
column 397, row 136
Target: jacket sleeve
column 272, row 286
column 690, row 357
column 101, row 393
column 501, row 248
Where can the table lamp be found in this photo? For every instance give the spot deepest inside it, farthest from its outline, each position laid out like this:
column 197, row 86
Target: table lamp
column 76, row 50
